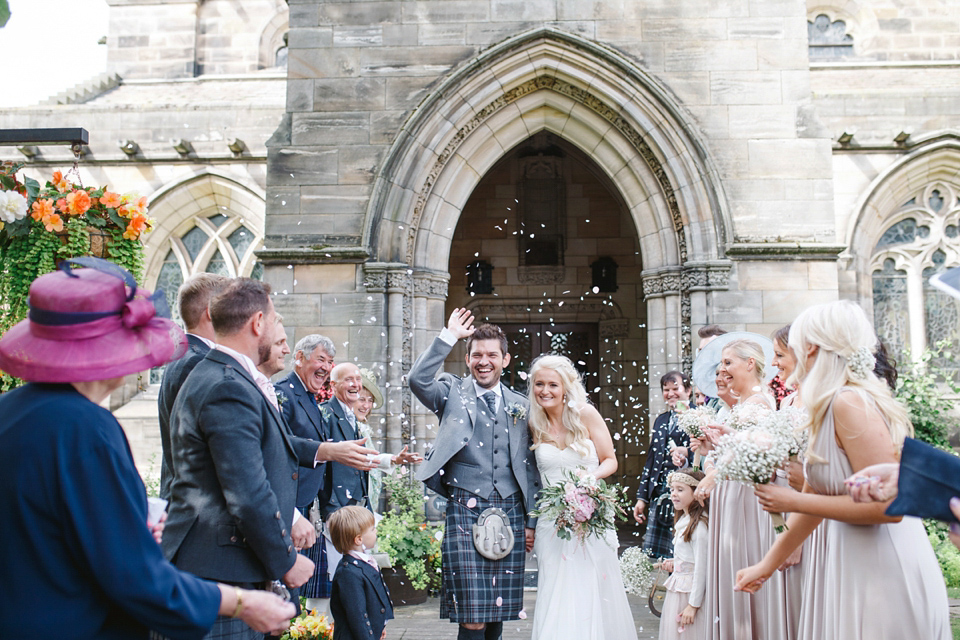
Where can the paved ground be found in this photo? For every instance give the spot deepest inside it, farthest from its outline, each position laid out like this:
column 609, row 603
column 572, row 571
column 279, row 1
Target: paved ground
column 422, row 622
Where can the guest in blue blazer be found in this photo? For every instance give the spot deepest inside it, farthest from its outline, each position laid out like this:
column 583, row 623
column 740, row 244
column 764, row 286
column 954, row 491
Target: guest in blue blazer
column 193, row 299
column 75, row 537
column 360, row 602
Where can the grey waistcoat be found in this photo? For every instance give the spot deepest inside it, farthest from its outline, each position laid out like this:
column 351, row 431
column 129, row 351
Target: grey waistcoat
column 483, row 465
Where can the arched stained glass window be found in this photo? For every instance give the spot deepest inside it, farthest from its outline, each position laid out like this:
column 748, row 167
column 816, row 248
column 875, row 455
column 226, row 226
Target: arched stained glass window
column 909, row 314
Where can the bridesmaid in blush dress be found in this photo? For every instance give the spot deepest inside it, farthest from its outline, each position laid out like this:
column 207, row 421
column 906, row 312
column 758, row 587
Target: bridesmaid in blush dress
column 875, row 577
column 740, row 530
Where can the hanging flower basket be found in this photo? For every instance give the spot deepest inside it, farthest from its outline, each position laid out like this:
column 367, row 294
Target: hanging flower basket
column 40, row 226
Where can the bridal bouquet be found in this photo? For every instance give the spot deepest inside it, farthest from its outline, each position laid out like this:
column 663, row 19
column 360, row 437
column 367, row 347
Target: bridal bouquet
column 309, row 625
column 791, row 421
column 752, row 456
column 747, row 416
column 581, row 505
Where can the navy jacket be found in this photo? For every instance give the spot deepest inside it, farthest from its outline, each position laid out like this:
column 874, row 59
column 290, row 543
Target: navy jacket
column 235, row 477
column 300, row 411
column 360, row 602
column 343, row 485
column 659, row 463
column 174, row 374
column 74, row 539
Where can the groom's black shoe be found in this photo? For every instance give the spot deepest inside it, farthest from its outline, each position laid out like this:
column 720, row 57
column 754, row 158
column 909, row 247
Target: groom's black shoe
column 493, row 631
column 470, row 634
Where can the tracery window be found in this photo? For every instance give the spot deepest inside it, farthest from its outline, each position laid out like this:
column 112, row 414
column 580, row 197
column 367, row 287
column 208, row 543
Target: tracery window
column 921, row 240
column 828, row 39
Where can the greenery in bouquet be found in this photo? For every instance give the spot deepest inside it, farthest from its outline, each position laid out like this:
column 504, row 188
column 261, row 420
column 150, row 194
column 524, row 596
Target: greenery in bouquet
column 309, row 625
column 405, row 536
column 42, row 225
column 581, row 505
column 637, row 571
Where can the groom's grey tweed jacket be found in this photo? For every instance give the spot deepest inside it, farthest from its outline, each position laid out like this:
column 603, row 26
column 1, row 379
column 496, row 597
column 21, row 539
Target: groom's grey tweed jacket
column 454, row 400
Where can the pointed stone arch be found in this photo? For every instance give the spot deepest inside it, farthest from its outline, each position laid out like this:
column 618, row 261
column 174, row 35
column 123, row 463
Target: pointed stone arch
column 592, row 97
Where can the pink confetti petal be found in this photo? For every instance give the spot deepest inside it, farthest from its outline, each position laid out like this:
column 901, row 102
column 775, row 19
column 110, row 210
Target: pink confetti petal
column 471, row 503
column 499, row 601
column 522, row 615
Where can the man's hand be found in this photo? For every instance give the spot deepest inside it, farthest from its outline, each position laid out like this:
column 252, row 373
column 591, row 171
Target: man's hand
column 529, row 535
column 406, row 457
column 299, row 573
column 266, row 612
column 349, row 452
column 304, row 534
column 638, row 511
column 460, row 323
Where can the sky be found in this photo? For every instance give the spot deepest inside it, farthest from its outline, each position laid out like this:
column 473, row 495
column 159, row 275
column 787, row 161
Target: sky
column 49, row 46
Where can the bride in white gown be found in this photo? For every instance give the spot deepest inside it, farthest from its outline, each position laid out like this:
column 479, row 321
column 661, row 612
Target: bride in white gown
column 580, row 594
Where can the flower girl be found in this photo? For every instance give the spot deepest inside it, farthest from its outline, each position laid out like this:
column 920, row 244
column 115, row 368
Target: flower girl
column 686, row 585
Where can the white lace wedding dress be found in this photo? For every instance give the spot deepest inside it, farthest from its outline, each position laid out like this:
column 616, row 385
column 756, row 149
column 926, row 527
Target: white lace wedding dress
column 580, row 594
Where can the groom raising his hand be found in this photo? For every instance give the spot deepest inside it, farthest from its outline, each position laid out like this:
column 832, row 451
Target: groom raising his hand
column 482, row 463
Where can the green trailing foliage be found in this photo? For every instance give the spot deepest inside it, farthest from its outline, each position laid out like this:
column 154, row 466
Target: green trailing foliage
column 405, row 536
column 926, row 387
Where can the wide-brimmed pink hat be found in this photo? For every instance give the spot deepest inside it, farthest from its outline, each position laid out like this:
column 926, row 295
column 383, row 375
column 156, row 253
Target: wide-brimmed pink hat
column 90, row 324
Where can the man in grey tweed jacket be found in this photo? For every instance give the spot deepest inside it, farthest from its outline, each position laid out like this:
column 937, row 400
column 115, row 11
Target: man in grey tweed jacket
column 481, row 458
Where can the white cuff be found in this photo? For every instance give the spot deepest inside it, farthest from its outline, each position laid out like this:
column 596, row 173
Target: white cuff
column 447, row 336
column 296, row 515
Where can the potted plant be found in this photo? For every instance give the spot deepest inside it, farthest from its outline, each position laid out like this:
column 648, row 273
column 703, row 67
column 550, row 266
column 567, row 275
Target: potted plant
column 412, row 544
column 40, row 226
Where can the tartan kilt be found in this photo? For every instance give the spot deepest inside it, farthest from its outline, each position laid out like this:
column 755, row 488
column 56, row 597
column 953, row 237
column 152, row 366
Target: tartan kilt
column 318, row 586
column 472, row 584
column 658, row 540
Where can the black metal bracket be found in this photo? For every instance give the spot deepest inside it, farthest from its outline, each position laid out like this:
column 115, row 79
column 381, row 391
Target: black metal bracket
column 71, row 137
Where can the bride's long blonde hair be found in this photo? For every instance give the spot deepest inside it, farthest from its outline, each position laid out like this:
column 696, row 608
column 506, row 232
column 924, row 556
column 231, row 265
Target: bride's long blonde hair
column 840, row 330
column 574, row 397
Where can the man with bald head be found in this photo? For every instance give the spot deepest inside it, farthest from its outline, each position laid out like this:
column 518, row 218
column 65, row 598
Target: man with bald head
column 344, row 485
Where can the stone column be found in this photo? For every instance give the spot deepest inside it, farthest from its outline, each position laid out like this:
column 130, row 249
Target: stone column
column 429, row 317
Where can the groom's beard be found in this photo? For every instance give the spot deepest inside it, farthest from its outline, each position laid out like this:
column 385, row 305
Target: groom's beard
column 263, row 352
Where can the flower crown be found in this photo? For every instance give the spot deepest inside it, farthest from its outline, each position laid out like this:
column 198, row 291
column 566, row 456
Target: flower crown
column 685, row 478
column 861, row 362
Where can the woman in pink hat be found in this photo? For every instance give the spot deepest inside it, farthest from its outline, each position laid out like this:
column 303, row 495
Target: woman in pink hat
column 75, row 539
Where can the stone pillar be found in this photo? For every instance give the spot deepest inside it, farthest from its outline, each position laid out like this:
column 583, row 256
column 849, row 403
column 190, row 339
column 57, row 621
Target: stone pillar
column 430, row 291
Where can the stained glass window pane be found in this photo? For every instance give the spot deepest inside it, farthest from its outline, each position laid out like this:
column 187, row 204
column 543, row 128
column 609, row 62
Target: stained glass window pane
column 169, row 280
column 941, row 316
column 218, row 265
column 828, row 39
column 901, row 233
column 194, row 240
column 218, row 219
column 936, row 201
column 890, row 314
column 257, row 273
column 240, row 240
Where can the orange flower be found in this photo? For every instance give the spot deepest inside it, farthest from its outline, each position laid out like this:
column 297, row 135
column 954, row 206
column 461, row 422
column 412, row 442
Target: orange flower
column 60, row 182
column 42, row 209
column 62, row 205
column 138, row 225
column 78, row 202
column 110, row 200
column 53, row 222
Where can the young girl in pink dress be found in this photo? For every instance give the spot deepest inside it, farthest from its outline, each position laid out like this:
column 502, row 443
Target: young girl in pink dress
column 687, row 584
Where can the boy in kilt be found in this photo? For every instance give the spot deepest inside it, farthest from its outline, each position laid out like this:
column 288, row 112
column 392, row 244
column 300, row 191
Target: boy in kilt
column 481, row 459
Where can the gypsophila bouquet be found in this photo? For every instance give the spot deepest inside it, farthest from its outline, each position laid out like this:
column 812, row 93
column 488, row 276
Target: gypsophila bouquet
column 693, row 421
column 746, row 416
column 309, row 625
column 580, row 505
column 752, row 456
column 637, row 571
column 791, row 420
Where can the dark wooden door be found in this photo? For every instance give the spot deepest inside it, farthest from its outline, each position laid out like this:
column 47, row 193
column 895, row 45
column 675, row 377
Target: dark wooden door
column 577, row 341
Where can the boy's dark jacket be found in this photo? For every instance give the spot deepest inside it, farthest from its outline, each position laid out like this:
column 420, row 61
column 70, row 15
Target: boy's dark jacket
column 360, row 602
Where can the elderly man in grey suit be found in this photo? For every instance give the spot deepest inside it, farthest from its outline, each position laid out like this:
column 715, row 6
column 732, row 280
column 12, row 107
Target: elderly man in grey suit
column 236, row 462
column 481, row 461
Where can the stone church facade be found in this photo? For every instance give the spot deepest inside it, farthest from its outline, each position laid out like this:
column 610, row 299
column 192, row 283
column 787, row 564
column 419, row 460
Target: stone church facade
column 600, row 177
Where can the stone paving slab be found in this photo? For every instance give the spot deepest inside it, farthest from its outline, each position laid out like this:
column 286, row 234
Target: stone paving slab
column 422, row 622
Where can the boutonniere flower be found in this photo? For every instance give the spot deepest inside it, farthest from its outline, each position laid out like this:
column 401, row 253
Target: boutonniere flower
column 281, row 398
column 516, row 411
